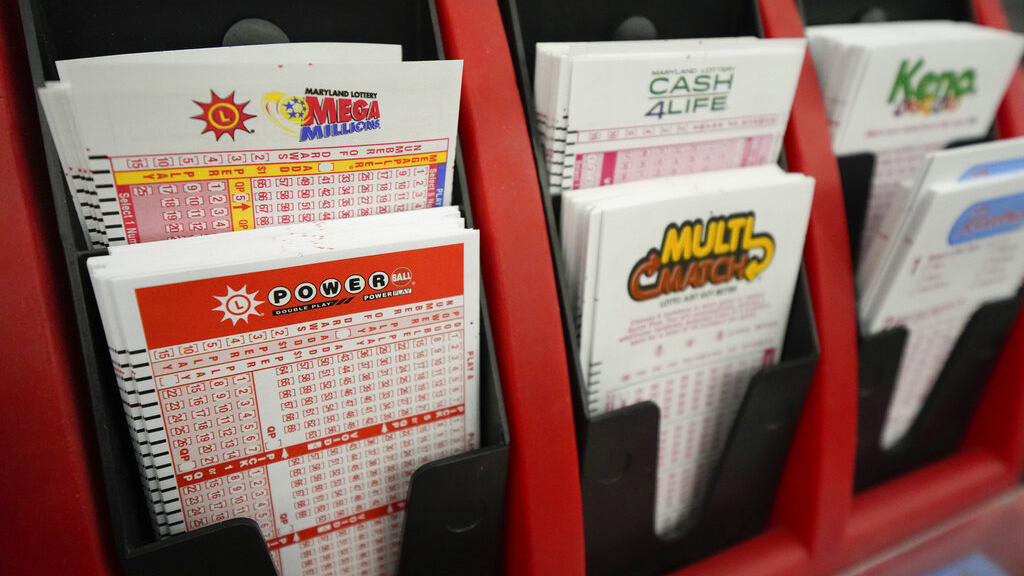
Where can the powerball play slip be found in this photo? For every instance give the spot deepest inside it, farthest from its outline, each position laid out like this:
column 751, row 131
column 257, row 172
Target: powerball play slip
column 185, row 149
column 301, row 387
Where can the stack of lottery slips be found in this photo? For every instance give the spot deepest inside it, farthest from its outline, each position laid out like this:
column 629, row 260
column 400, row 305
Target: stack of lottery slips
column 177, row 144
column 956, row 246
column 903, row 89
column 684, row 287
column 613, row 112
column 297, row 375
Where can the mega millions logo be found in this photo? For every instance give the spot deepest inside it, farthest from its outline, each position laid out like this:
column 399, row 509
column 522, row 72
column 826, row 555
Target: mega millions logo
column 322, row 113
column 223, row 115
column 917, row 90
column 700, row 252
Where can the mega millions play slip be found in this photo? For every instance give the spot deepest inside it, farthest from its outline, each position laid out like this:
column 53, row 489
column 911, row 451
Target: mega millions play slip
column 957, row 248
column 297, row 375
column 176, row 144
column 899, row 90
column 684, row 286
column 613, row 112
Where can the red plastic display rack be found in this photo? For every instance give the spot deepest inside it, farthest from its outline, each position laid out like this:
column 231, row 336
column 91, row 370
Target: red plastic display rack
column 994, row 528
column 48, row 489
column 544, row 526
column 814, row 497
column 542, row 494
column 817, row 486
column 990, row 459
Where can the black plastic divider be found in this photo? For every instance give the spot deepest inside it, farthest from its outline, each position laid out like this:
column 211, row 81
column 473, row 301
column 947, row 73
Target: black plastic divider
column 940, row 425
column 455, row 509
column 855, row 172
column 816, row 12
column 620, row 455
column 619, row 450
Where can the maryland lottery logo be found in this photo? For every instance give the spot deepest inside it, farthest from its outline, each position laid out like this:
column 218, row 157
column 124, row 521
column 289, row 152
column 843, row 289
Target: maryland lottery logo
column 238, row 305
column 223, row 115
column 322, row 113
column 696, row 253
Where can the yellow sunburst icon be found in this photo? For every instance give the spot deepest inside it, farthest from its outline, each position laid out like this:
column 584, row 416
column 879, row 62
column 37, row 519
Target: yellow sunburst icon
column 238, row 305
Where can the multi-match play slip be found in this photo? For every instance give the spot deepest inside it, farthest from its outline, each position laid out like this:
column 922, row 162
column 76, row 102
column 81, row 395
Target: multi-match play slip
column 297, row 375
column 683, row 287
column 170, row 145
column 612, row 112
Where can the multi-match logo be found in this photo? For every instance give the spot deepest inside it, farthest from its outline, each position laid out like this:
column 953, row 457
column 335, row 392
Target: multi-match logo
column 916, row 91
column 688, row 91
column 696, row 253
column 322, row 113
column 223, row 115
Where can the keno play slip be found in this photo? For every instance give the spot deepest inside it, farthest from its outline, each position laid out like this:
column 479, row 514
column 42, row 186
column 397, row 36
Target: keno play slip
column 900, row 90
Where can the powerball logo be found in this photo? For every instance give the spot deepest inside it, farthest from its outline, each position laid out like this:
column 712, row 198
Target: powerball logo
column 327, row 292
column 322, row 113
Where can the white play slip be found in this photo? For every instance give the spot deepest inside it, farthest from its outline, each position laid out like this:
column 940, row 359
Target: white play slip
column 902, row 89
column 177, row 144
column 684, row 286
column 613, row 112
column 297, row 375
column 958, row 247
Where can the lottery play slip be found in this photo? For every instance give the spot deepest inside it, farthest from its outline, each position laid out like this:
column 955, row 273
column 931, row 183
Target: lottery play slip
column 613, row 112
column 684, row 286
column 902, row 89
column 956, row 247
column 177, row 144
column 297, row 376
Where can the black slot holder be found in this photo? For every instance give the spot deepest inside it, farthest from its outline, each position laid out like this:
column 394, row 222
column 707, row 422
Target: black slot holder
column 947, row 411
column 619, row 449
column 455, row 508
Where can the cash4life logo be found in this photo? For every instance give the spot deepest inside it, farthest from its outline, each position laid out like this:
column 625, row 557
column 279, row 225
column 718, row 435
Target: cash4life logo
column 695, row 253
column 223, row 115
column 918, row 90
column 688, row 91
column 322, row 113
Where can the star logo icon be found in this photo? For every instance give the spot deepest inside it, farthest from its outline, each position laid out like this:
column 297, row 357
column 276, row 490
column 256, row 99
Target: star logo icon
column 223, row 115
column 238, row 305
